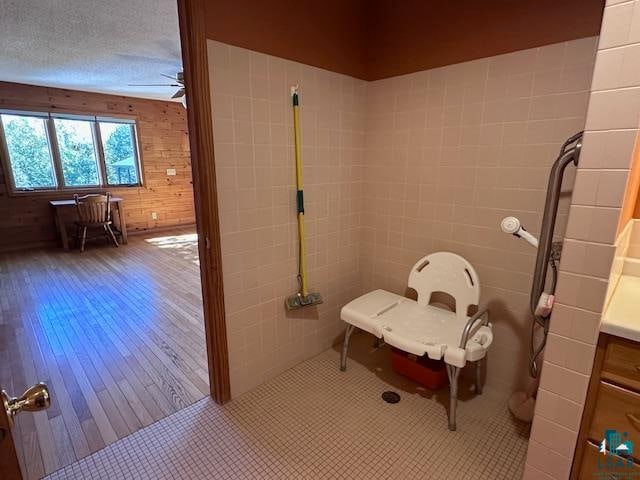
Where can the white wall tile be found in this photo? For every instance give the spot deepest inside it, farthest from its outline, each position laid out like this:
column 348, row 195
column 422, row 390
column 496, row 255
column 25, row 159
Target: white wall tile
column 482, row 157
column 253, row 142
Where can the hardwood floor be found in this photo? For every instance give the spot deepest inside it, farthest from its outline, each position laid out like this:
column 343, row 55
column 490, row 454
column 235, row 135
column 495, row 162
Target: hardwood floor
column 116, row 333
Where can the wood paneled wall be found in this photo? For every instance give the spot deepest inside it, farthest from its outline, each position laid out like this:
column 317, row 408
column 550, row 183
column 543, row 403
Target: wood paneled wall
column 374, row 39
column 26, row 220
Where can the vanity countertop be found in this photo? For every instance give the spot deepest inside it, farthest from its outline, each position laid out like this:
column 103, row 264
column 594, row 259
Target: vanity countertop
column 622, row 317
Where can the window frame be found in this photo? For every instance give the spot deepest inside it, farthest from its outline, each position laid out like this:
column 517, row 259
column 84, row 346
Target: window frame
column 54, row 149
column 4, row 153
column 102, row 163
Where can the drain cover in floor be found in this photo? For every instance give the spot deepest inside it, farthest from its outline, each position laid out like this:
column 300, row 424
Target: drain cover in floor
column 390, row 397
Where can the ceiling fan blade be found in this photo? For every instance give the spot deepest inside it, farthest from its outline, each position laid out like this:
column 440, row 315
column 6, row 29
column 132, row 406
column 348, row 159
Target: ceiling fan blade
column 153, row 85
column 179, row 93
column 178, row 78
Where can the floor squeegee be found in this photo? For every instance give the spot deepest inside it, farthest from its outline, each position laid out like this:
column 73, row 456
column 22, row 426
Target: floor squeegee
column 303, row 298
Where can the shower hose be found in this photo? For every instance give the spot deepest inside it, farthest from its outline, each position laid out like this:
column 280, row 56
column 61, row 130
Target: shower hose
column 543, row 322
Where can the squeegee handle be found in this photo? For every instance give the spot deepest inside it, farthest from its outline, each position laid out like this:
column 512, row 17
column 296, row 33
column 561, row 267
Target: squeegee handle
column 301, row 260
column 296, row 136
column 302, row 266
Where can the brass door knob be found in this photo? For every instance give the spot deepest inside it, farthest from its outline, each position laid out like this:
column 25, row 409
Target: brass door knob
column 34, row 399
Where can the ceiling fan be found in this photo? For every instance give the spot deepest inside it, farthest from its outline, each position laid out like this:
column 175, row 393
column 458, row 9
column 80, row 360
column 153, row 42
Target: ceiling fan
column 178, row 81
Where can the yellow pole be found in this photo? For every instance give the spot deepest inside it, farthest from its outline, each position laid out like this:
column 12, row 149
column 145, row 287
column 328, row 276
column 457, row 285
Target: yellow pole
column 302, row 267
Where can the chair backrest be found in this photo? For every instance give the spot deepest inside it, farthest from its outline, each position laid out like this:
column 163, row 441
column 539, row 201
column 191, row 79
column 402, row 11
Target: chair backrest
column 94, row 208
column 449, row 273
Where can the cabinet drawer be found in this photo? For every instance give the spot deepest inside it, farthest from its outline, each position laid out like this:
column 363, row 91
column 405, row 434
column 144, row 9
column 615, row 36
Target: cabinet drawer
column 617, row 409
column 595, row 465
column 622, row 363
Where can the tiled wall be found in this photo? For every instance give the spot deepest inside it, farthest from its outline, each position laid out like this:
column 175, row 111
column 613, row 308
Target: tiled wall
column 594, row 220
column 433, row 160
column 253, row 135
column 394, row 169
column 449, row 153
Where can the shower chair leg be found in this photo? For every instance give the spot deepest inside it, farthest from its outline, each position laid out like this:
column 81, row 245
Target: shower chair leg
column 453, row 373
column 345, row 347
column 479, row 376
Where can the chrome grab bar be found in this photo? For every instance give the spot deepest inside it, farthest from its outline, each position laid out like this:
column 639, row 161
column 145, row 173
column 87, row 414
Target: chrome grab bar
column 569, row 152
column 567, row 155
column 482, row 312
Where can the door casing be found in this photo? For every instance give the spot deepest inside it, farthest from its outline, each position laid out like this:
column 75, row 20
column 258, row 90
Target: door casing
column 9, row 465
column 196, row 74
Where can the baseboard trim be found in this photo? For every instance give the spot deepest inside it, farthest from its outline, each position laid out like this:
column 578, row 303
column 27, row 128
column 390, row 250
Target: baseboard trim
column 47, row 244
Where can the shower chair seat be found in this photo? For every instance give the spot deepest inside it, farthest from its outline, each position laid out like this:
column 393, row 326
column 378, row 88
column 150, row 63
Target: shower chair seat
column 422, row 329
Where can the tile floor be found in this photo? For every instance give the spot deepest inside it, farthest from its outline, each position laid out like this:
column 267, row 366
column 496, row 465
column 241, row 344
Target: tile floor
column 314, row 421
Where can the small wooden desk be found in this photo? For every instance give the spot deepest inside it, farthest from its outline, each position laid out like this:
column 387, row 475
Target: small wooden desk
column 59, row 205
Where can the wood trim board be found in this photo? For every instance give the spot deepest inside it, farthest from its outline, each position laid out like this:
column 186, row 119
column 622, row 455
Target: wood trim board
column 196, row 74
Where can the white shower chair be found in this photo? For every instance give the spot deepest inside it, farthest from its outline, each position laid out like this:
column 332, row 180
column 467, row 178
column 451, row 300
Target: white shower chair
column 422, row 329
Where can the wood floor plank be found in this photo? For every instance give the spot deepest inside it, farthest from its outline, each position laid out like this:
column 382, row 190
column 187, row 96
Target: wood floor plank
column 41, row 420
column 167, row 407
column 65, row 401
column 140, row 407
column 33, row 459
column 105, row 366
column 169, row 364
column 92, row 434
column 113, row 413
column 158, row 364
column 117, row 334
column 64, row 447
column 90, row 349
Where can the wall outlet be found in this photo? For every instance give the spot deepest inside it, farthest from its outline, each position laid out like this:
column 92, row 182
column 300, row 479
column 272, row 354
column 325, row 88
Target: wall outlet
column 154, row 215
column 171, row 172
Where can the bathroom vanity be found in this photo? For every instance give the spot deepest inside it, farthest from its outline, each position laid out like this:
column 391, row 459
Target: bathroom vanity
column 613, row 398
column 613, row 402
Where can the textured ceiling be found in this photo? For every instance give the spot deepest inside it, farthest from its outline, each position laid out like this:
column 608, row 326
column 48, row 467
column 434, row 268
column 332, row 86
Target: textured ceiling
column 91, row 45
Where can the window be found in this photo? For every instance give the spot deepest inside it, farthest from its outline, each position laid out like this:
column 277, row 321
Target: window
column 76, row 147
column 119, row 153
column 47, row 151
column 30, row 152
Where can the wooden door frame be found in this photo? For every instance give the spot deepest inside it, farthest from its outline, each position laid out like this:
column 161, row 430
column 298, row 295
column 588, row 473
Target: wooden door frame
column 196, row 75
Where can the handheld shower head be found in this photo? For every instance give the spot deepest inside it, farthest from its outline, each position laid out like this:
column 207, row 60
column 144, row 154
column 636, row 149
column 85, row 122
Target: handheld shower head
column 512, row 225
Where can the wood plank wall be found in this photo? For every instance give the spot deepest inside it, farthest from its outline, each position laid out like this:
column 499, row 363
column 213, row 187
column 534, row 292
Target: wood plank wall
column 26, row 220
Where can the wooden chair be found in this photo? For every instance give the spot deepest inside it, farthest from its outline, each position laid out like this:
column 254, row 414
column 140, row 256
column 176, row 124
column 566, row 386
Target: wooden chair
column 93, row 211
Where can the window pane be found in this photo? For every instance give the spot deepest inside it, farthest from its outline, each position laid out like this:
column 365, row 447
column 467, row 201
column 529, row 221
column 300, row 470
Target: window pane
column 77, row 152
column 119, row 153
column 29, row 153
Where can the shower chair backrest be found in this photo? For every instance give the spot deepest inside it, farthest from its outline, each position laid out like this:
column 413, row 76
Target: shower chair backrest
column 449, row 273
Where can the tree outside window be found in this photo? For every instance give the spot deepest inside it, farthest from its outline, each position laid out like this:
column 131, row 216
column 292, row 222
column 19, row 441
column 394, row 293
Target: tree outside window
column 77, row 152
column 119, row 153
column 48, row 152
column 26, row 139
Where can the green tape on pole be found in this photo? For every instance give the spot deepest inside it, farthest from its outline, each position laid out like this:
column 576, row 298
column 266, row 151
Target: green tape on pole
column 300, row 199
column 295, row 100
